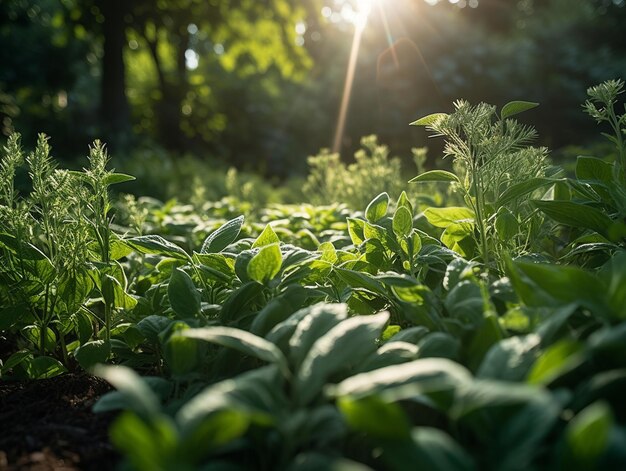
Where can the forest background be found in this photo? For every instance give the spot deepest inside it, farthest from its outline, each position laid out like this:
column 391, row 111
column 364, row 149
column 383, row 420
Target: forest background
column 258, row 85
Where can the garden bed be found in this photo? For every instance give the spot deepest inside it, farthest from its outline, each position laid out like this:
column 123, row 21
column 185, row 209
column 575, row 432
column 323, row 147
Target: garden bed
column 48, row 424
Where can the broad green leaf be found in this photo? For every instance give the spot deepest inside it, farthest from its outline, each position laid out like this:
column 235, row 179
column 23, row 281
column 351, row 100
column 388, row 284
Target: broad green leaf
column 432, row 448
column 113, row 293
column 140, row 397
column 361, row 280
column 402, row 222
column 355, row 229
column 181, row 353
column 219, row 239
column 154, row 244
column 183, row 294
column 113, row 178
column 397, row 280
column 465, row 302
column 242, row 341
column 429, row 120
column 151, row 326
column 458, row 237
column 377, row 209
column 266, row 264
column 479, row 396
column 557, row 359
column 118, row 249
column 238, row 302
column 319, row 320
column 507, row 225
column 515, row 107
column 439, row 345
column 278, row 309
column 510, row 359
column 348, row 343
column 329, row 253
column 25, row 250
column 364, row 415
column 435, row 176
column 391, row 353
column 44, row 367
column 444, row 217
column 33, row 334
column 92, row 353
column 217, row 430
column 524, row 188
column 423, row 376
column 591, row 168
column 482, row 340
column 242, row 261
column 587, row 436
column 215, row 266
column 522, row 436
column 568, row 284
column 147, row 444
column 410, row 335
column 16, row 359
column 575, row 215
column 403, row 200
column 312, row 461
column 267, row 237
column 223, row 411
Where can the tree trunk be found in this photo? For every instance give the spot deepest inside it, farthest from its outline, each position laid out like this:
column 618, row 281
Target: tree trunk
column 114, row 109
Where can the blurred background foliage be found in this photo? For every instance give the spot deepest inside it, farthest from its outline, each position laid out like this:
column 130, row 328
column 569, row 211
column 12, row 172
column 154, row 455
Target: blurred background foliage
column 257, row 84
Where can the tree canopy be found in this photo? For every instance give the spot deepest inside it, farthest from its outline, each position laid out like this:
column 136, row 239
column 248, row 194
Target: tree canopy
column 259, row 83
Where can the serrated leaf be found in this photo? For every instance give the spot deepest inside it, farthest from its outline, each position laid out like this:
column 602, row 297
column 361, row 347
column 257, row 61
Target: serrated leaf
column 429, row 120
column 223, row 236
column 266, row 264
column 435, row 176
column 515, row 107
column 377, row 209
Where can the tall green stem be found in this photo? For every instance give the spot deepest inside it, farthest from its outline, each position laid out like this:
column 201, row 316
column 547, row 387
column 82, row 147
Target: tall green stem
column 480, row 213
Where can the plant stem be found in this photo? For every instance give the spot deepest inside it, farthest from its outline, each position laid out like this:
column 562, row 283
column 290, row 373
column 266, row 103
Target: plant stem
column 480, row 214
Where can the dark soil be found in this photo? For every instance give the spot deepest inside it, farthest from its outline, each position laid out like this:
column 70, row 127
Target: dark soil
column 48, row 425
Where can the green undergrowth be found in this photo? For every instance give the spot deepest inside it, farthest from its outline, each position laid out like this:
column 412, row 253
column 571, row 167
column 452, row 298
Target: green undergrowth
column 482, row 326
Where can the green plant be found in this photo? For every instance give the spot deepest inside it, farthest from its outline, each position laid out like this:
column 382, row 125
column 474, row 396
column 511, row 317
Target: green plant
column 593, row 204
column 493, row 153
column 330, row 180
column 59, row 251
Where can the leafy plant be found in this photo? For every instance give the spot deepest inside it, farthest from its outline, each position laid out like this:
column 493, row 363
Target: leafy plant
column 497, row 163
column 330, row 180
